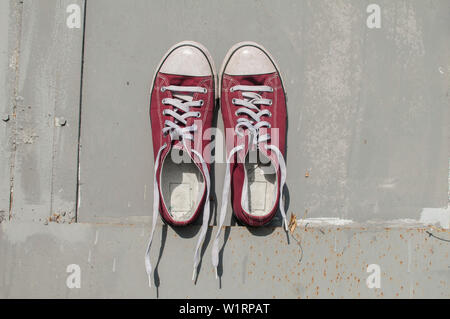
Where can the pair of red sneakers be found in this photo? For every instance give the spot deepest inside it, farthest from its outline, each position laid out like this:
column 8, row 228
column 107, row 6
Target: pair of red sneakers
column 182, row 105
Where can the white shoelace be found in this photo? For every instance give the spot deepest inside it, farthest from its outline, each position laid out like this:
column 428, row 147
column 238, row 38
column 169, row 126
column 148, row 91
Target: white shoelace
column 182, row 103
column 250, row 108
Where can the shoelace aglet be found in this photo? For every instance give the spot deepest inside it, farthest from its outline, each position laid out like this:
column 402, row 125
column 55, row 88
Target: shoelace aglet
column 150, row 281
column 217, row 275
column 194, row 274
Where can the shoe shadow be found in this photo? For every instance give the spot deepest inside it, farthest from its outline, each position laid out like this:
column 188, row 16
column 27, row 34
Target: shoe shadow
column 190, row 232
column 279, row 221
column 213, row 195
column 202, row 251
column 157, row 280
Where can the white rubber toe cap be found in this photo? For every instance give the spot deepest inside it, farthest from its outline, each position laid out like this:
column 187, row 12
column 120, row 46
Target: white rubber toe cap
column 249, row 60
column 186, row 60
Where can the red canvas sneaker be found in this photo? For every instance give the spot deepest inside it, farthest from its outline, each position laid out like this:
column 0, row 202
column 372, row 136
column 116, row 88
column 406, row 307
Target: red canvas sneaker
column 181, row 108
column 253, row 104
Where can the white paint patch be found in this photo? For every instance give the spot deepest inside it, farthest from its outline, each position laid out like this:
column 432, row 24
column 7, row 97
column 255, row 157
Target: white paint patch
column 440, row 216
column 434, row 216
column 13, row 61
column 96, row 237
column 388, row 183
column 401, row 222
column 79, row 186
column 325, row 221
column 79, row 197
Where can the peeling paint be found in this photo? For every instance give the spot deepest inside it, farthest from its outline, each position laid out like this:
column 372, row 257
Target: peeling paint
column 325, row 221
column 440, row 216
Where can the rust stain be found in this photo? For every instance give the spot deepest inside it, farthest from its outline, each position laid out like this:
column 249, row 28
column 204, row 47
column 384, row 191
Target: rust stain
column 292, row 223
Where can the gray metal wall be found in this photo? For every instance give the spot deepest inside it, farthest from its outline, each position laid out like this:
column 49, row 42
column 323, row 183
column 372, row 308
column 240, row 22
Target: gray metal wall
column 368, row 123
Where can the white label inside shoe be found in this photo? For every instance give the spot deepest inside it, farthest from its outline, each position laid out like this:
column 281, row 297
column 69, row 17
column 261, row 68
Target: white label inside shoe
column 180, row 197
column 258, row 202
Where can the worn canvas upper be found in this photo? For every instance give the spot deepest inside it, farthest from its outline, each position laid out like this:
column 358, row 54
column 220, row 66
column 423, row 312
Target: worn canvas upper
column 203, row 122
column 277, row 131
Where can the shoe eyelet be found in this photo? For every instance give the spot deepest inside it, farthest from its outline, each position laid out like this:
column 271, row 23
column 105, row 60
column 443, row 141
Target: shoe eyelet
column 233, row 101
column 269, row 115
column 164, row 101
column 236, row 113
column 270, row 103
column 163, row 89
column 205, row 91
column 231, row 90
column 271, row 89
column 199, row 115
column 202, row 102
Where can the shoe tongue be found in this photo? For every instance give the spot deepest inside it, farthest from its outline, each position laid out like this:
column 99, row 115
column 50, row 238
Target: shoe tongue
column 178, row 146
column 254, row 79
column 184, row 97
column 258, row 161
column 252, row 149
column 248, row 146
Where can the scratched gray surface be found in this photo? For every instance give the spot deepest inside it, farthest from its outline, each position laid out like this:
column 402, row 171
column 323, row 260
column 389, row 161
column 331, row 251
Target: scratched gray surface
column 8, row 44
column 4, row 110
column 368, row 120
column 367, row 107
column 328, row 263
column 45, row 161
